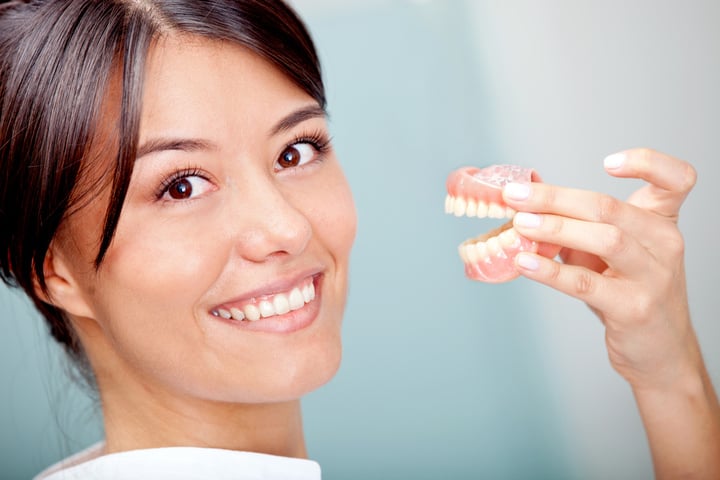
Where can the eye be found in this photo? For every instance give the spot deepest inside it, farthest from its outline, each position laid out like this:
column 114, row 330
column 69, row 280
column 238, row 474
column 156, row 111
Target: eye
column 185, row 187
column 296, row 155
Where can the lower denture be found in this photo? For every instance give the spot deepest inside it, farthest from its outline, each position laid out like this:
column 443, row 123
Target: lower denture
column 477, row 192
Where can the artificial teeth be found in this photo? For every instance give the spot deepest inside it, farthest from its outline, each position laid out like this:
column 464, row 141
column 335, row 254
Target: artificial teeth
column 496, row 211
column 459, row 207
column 493, row 246
column 471, row 253
column 509, row 238
column 482, row 209
column 482, row 250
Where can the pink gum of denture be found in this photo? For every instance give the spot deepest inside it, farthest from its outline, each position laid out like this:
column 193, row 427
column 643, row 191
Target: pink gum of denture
column 486, row 184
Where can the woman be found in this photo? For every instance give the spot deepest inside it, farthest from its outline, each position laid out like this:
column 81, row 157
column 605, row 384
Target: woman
column 174, row 208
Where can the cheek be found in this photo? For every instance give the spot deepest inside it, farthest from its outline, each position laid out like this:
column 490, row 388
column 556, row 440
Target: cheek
column 171, row 262
column 150, row 284
column 334, row 217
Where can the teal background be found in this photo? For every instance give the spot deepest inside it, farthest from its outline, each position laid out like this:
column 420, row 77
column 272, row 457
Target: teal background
column 443, row 377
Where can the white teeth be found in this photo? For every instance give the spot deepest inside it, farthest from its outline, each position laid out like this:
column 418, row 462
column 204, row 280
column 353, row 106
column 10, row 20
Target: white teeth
column 496, row 211
column 472, row 253
column 281, row 304
column 463, row 253
column 482, row 250
column 251, row 313
column 312, row 292
column 306, row 294
column 266, row 309
column 460, row 206
column 509, row 238
column 493, row 245
column 471, row 208
column 296, row 299
column 277, row 304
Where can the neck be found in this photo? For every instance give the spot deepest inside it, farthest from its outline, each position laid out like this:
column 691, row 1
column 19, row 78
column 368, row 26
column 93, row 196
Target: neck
column 140, row 418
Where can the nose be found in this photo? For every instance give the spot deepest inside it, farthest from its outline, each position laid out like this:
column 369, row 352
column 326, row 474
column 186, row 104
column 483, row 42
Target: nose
column 270, row 223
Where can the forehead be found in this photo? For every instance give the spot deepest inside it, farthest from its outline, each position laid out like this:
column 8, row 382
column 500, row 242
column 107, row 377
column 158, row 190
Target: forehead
column 192, row 83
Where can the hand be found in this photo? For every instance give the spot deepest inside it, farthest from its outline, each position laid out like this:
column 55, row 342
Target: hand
column 624, row 259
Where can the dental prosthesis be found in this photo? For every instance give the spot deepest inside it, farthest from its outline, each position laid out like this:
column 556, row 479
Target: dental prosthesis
column 477, row 192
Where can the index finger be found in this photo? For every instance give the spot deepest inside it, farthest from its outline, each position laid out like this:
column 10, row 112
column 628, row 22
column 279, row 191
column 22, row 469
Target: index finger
column 670, row 178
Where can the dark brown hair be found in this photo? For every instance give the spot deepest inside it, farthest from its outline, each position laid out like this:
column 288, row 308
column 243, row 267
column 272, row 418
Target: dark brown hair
column 56, row 61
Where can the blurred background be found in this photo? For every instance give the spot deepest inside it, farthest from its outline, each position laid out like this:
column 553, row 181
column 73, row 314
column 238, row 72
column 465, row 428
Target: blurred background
column 443, row 377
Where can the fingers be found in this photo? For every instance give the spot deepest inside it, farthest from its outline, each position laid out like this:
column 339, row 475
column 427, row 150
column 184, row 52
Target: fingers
column 656, row 168
column 619, row 250
column 670, row 179
column 595, row 289
column 578, row 204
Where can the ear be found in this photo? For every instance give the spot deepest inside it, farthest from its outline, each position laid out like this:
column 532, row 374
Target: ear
column 63, row 290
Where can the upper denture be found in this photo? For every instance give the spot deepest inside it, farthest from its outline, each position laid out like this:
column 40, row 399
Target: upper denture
column 477, row 192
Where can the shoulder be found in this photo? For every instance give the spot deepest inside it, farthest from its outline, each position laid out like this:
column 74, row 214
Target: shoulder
column 181, row 463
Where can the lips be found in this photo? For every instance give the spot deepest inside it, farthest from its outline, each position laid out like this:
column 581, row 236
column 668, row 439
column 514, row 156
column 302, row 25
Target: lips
column 283, row 307
column 477, row 192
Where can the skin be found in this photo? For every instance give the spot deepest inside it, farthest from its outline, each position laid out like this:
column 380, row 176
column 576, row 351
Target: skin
column 169, row 372
column 625, row 260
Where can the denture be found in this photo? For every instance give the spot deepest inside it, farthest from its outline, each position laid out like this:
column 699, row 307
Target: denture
column 266, row 306
column 477, row 192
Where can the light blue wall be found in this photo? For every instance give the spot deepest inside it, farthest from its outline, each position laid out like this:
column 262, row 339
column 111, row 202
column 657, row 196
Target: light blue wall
column 442, row 377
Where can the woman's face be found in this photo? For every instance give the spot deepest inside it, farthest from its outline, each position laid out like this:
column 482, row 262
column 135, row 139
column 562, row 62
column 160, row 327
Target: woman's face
column 237, row 206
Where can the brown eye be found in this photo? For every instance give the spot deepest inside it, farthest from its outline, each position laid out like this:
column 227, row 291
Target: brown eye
column 290, row 157
column 181, row 189
column 297, row 155
column 186, row 186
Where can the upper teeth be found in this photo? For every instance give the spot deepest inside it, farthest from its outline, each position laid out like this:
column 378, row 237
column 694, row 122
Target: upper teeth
column 460, row 206
column 270, row 306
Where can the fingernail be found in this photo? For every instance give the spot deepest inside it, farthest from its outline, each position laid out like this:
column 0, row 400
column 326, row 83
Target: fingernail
column 527, row 220
column 517, row 191
column 615, row 160
column 528, row 262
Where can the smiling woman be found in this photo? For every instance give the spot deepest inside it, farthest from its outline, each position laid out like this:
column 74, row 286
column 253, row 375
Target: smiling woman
column 189, row 227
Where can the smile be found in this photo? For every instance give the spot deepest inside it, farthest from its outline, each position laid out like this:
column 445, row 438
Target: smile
column 475, row 192
column 269, row 306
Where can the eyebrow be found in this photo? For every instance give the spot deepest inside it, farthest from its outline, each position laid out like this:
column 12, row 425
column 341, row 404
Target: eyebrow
column 193, row 145
column 298, row 116
column 180, row 144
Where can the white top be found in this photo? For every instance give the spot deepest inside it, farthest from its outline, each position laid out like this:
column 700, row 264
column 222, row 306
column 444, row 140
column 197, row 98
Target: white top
column 180, row 463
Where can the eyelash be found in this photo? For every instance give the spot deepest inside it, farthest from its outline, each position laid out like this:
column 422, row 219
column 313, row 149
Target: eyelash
column 178, row 175
column 318, row 139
